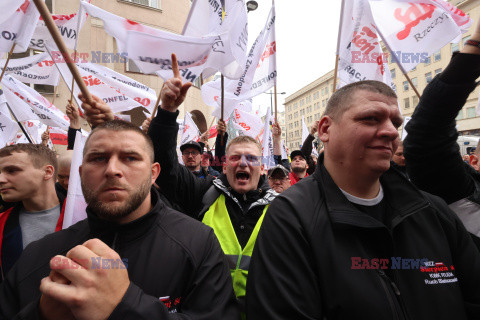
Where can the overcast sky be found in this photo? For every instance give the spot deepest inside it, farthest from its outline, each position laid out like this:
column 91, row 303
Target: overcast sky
column 306, row 36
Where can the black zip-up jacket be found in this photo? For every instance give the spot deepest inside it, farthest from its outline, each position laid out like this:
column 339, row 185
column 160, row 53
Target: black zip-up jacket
column 303, row 264
column 432, row 154
column 167, row 254
column 181, row 186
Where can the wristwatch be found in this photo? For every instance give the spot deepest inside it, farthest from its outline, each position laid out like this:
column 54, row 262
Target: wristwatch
column 473, row 43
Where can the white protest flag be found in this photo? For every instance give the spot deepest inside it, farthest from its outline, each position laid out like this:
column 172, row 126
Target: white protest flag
column 75, row 207
column 251, row 125
column 18, row 28
column 120, row 92
column 36, row 69
column 413, row 30
column 284, row 150
column 58, row 136
column 260, row 72
column 43, row 109
column 69, row 27
column 204, row 18
column 404, row 132
column 267, row 144
column 34, row 129
column 8, row 127
column 8, row 8
column 190, row 130
column 231, row 105
column 358, row 46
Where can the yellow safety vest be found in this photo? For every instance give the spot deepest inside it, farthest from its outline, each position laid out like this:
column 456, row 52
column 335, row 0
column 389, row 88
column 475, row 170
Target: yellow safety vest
column 239, row 260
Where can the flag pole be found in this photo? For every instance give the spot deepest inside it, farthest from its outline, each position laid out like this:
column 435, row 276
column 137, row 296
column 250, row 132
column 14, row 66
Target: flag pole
column 73, row 78
column 19, row 124
column 157, row 103
column 47, row 18
column 275, row 94
column 8, row 60
column 337, row 54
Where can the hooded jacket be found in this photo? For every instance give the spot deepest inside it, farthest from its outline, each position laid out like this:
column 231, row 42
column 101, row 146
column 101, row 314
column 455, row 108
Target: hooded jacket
column 319, row 257
column 432, row 154
column 176, row 268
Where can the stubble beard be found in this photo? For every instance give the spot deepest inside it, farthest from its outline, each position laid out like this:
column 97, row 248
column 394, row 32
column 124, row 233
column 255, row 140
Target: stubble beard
column 115, row 212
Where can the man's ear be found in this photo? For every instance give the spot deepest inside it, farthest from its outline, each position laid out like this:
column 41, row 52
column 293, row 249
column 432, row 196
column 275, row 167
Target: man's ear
column 323, row 128
column 155, row 171
column 474, row 162
column 49, row 172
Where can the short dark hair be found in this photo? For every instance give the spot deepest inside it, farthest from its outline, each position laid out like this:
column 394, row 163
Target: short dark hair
column 339, row 102
column 120, row 125
column 40, row 155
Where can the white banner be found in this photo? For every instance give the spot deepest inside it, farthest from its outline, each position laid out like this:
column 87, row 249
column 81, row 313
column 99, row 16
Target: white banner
column 251, row 125
column 69, row 27
column 416, row 29
column 8, row 127
column 260, row 71
column 190, row 130
column 37, row 69
column 75, row 208
column 8, row 8
column 120, row 92
column 204, row 18
column 18, row 28
column 360, row 53
column 267, row 144
column 26, row 98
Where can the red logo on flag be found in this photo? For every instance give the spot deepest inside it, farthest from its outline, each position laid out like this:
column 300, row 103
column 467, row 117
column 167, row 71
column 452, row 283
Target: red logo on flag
column 412, row 17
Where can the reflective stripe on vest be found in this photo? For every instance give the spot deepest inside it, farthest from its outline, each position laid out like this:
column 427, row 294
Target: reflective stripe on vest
column 238, row 260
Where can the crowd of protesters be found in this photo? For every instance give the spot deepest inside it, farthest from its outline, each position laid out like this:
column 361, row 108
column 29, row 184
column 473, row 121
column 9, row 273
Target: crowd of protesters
column 372, row 228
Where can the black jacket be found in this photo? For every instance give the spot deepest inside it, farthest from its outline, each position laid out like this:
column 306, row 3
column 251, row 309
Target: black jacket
column 432, row 155
column 302, row 264
column 307, row 151
column 181, row 186
column 167, row 254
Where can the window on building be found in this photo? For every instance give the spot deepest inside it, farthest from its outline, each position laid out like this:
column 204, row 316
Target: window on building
column 428, row 77
column 326, row 90
column 323, row 91
column 428, row 60
column 437, row 56
column 406, row 103
column 405, row 85
column 438, row 71
column 392, row 73
column 415, row 101
column 453, row 47
column 471, row 112
column 460, row 115
column 415, row 82
column 149, row 3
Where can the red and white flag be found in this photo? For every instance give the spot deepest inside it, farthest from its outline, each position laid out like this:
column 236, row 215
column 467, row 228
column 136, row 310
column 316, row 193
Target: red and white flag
column 413, row 30
column 22, row 98
column 69, row 27
column 75, row 208
column 36, row 69
column 190, row 130
column 58, row 136
column 18, row 28
column 251, row 125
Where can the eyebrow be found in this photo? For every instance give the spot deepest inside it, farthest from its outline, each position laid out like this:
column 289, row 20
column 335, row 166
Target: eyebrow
column 123, row 152
column 9, row 167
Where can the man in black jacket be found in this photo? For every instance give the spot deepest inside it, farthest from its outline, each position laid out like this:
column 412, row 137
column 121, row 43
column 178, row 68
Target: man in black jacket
column 233, row 204
column 357, row 239
column 133, row 258
column 432, row 154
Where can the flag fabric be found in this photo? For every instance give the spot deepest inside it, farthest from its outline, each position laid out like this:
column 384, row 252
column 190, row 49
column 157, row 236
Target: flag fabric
column 58, row 136
column 245, row 106
column 284, row 150
column 190, row 130
column 36, row 69
column 120, row 92
column 23, row 98
column 18, row 28
column 250, row 125
column 360, row 54
column 8, row 127
column 204, row 17
column 267, row 144
column 260, row 71
column 8, row 8
column 404, row 132
column 75, row 208
column 69, row 27
column 413, row 30
column 213, row 132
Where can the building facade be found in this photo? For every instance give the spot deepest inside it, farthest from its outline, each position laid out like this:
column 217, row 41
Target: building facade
column 310, row 101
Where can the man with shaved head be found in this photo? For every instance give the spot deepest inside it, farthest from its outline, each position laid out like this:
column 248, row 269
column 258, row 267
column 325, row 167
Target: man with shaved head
column 132, row 258
column 63, row 176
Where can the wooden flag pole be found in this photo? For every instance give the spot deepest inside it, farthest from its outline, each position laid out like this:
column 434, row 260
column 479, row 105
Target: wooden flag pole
column 275, row 94
column 8, row 60
column 47, row 18
column 335, row 74
column 73, row 79
column 157, row 103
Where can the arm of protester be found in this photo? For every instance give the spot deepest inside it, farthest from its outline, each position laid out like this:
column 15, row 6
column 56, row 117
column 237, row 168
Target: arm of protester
column 73, row 114
column 430, row 147
column 203, row 140
column 307, row 144
column 146, row 124
column 45, row 137
column 174, row 91
column 220, row 146
column 282, row 249
column 97, row 113
column 211, row 297
column 277, row 139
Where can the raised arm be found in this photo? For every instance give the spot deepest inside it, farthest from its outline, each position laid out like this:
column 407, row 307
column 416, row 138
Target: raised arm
column 220, row 146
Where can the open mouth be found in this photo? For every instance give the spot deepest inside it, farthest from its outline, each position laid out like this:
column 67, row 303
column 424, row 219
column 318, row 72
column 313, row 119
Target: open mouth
column 242, row 176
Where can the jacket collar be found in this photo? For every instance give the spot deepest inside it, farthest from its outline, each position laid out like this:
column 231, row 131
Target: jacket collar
column 402, row 196
column 110, row 232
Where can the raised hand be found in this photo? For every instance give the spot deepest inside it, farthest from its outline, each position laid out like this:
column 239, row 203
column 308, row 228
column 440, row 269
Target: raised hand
column 97, row 113
column 174, row 91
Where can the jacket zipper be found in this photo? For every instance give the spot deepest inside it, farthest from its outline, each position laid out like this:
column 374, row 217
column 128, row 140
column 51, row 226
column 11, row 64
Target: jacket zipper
column 387, row 281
